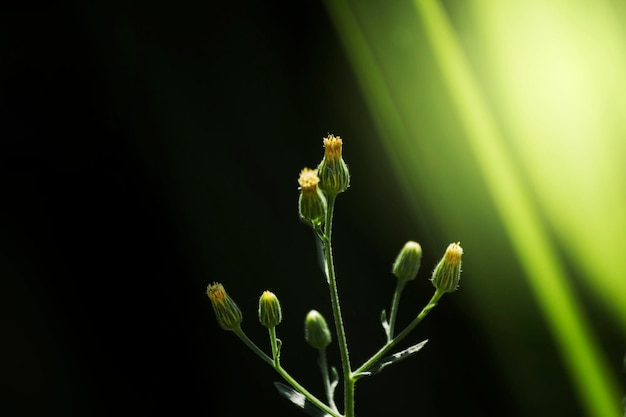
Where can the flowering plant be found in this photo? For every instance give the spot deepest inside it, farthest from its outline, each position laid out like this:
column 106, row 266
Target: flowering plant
column 319, row 189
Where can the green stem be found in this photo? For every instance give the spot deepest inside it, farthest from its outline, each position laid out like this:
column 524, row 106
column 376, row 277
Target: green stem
column 313, row 399
column 378, row 355
column 327, row 384
column 394, row 309
column 275, row 363
column 274, row 344
column 245, row 339
column 348, row 382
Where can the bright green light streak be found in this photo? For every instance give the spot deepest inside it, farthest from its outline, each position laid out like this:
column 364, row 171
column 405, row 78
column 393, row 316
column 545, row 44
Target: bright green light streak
column 384, row 111
column 548, row 281
column 558, row 84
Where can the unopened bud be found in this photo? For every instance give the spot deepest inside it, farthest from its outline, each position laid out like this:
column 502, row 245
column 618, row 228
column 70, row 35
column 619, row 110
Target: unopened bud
column 333, row 171
column 408, row 261
column 447, row 273
column 312, row 203
column 316, row 330
column 270, row 313
column 227, row 313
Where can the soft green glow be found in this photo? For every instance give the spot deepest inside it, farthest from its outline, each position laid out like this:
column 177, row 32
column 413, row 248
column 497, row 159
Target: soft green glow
column 562, row 123
column 384, row 110
column 520, row 219
column 557, row 70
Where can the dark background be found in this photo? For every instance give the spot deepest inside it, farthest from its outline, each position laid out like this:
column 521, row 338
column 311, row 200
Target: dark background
column 151, row 148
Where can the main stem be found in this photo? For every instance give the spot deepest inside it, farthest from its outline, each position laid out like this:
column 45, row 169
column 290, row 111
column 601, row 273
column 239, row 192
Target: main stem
column 348, row 381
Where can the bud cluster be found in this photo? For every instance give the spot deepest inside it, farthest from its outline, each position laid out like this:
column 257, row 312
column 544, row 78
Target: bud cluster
column 446, row 275
column 316, row 185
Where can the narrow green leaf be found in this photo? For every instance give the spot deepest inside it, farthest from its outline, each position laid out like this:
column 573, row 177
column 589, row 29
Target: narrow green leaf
column 396, row 357
column 299, row 400
column 385, row 323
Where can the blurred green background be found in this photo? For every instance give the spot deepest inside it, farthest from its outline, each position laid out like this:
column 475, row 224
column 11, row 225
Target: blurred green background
column 151, row 148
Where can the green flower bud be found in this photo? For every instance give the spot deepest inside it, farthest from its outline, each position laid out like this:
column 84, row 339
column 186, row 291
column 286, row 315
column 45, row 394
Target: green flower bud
column 270, row 314
column 447, row 273
column 228, row 314
column 316, row 331
column 408, row 261
column 333, row 171
column 312, row 203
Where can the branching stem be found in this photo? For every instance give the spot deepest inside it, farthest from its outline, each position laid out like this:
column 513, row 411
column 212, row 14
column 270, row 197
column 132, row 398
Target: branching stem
column 385, row 349
column 274, row 362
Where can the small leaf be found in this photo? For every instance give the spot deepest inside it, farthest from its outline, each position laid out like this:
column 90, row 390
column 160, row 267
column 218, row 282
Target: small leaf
column 360, row 375
column 321, row 258
column 396, row 357
column 385, row 323
column 299, row 400
column 334, row 380
column 334, row 377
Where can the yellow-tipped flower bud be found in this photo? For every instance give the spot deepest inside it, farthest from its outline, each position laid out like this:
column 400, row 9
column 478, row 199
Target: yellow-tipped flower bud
column 447, row 273
column 333, row 171
column 316, row 330
column 270, row 314
column 312, row 203
column 408, row 261
column 228, row 314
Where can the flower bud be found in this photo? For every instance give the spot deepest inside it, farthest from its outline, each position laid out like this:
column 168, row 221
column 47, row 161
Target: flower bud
column 228, row 314
column 270, row 314
column 447, row 273
column 312, row 203
column 333, row 171
column 316, row 331
column 408, row 261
